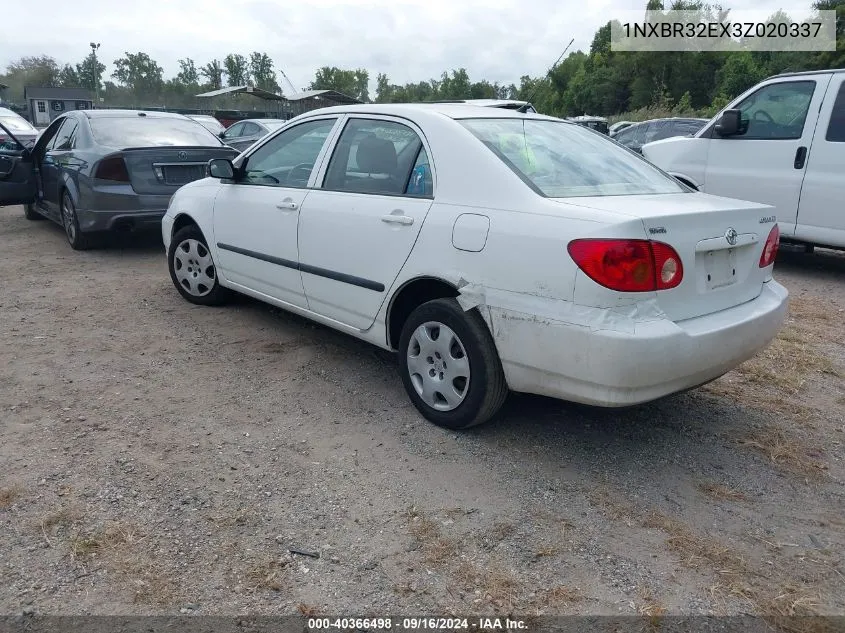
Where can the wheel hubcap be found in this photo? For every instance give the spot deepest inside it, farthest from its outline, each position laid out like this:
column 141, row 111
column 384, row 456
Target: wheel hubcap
column 194, row 268
column 438, row 365
column 70, row 225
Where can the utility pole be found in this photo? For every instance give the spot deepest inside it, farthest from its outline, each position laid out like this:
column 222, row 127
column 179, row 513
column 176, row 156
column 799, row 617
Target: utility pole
column 95, row 70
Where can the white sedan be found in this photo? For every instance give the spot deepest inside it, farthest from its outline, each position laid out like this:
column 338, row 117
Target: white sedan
column 492, row 250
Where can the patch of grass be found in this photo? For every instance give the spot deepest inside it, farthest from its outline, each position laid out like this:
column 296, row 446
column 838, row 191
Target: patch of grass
column 718, row 492
column 64, row 517
column 546, row 552
column 114, row 536
column 786, row 452
column 502, row 530
column 438, row 549
column 268, row 575
column 239, row 516
column 788, row 362
column 765, row 590
column 9, row 495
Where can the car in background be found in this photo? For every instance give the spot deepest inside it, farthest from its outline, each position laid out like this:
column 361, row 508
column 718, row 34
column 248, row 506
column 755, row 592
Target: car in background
column 617, row 127
column 493, row 250
column 245, row 133
column 23, row 131
column 94, row 171
column 781, row 143
column 507, row 104
column 210, row 123
column 597, row 123
column 637, row 135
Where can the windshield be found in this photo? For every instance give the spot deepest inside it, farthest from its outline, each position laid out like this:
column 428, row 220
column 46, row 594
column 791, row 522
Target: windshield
column 151, row 132
column 17, row 124
column 562, row 160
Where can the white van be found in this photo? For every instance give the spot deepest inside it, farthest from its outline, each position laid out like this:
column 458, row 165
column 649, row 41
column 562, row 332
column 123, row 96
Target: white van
column 780, row 143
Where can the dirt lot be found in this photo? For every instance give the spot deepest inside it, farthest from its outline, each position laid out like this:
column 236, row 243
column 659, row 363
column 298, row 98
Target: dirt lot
column 158, row 457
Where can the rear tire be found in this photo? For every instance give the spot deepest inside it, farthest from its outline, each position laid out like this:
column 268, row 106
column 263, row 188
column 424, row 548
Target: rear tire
column 192, row 269
column 78, row 240
column 30, row 213
column 450, row 366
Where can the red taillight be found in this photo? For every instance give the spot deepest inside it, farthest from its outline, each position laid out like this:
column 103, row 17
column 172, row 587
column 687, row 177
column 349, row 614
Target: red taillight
column 628, row 265
column 113, row 168
column 770, row 250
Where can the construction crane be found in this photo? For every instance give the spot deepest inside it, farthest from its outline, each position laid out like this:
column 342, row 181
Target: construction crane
column 293, row 90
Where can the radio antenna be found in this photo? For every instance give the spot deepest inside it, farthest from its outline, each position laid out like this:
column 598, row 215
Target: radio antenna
column 537, row 87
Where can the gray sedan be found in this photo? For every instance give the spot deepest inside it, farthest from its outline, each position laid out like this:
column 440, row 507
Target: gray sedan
column 243, row 134
column 94, row 171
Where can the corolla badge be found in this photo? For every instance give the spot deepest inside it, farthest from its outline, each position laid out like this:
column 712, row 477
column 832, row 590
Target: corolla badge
column 731, row 236
column 183, row 155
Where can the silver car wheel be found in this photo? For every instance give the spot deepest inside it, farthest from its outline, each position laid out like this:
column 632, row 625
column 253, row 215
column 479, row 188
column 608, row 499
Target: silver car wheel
column 194, row 268
column 69, row 219
column 438, row 365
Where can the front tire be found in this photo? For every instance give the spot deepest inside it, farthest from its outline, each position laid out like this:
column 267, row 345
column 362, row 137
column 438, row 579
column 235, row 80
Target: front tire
column 192, row 268
column 449, row 365
column 78, row 240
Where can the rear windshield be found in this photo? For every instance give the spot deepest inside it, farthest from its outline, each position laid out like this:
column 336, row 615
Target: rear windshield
column 562, row 160
column 140, row 131
column 17, row 124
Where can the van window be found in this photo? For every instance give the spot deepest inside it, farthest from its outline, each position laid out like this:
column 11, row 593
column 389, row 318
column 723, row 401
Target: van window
column 776, row 111
column 836, row 128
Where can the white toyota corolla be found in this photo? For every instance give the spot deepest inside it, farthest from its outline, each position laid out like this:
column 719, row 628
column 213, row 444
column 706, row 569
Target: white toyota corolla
column 493, row 250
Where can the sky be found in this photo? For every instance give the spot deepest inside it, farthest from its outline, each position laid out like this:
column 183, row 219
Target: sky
column 409, row 40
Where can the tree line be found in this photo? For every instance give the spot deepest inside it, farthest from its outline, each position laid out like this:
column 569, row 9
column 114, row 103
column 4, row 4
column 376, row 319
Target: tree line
column 599, row 81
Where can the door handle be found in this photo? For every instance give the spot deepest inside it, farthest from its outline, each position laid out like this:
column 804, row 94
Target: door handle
column 287, row 206
column 397, row 219
column 800, row 158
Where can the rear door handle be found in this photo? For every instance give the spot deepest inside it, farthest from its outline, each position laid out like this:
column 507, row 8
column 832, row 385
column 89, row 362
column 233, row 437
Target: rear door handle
column 397, row 219
column 800, row 157
column 287, row 206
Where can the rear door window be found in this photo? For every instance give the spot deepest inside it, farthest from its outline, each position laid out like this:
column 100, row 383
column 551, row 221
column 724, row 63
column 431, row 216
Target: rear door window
column 836, row 127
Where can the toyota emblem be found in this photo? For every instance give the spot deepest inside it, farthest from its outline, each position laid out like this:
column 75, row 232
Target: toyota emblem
column 731, row 236
column 184, row 156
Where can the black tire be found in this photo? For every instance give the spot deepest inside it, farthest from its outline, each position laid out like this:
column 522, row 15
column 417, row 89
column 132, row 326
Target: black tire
column 78, row 240
column 486, row 390
column 30, row 213
column 215, row 295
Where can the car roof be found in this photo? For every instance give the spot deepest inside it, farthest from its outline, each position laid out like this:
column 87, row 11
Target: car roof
column 452, row 110
column 8, row 112
column 802, row 73
column 128, row 114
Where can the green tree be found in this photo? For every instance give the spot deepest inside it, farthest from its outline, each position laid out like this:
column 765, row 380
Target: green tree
column 188, row 74
column 353, row 83
column 237, row 69
column 213, row 73
column 139, row 73
column 89, row 71
column 263, row 73
column 739, row 73
column 68, row 78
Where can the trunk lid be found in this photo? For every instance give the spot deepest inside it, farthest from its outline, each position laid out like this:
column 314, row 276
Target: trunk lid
column 162, row 170
column 718, row 274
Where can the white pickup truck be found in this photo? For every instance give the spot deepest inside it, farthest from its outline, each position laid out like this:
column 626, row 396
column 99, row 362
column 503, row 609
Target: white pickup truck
column 780, row 143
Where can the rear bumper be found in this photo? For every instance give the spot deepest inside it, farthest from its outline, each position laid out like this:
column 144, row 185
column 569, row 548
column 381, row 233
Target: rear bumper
column 615, row 362
column 92, row 220
column 117, row 207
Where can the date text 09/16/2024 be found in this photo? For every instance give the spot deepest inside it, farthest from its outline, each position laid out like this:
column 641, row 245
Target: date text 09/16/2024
column 416, row 624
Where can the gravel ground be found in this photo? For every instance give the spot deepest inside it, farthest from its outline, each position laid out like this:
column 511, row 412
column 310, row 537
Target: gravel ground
column 162, row 458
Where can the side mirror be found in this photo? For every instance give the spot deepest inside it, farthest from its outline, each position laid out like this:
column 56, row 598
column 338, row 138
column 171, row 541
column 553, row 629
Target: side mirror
column 729, row 123
column 221, row 168
column 222, row 134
